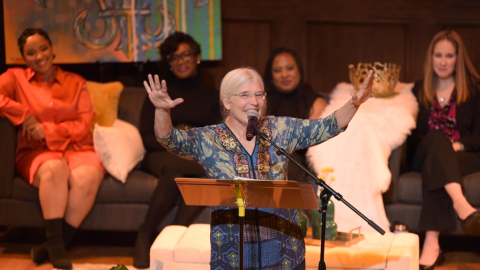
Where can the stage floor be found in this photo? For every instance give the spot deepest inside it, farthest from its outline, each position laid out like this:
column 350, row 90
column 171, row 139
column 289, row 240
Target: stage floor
column 112, row 248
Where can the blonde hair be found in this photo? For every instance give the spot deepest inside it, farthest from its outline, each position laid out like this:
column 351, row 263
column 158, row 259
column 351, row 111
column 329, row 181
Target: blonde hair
column 235, row 80
column 464, row 70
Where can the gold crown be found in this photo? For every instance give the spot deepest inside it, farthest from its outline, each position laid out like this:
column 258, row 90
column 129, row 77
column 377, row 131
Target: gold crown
column 384, row 80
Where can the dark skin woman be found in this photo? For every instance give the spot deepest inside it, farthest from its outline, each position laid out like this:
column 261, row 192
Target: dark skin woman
column 55, row 148
column 289, row 96
column 179, row 66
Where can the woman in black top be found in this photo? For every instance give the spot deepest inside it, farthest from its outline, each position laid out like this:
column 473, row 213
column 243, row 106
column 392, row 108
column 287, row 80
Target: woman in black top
column 289, row 96
column 180, row 56
column 447, row 140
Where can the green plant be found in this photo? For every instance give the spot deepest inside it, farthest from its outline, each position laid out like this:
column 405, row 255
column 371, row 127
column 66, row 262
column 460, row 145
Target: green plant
column 119, row 267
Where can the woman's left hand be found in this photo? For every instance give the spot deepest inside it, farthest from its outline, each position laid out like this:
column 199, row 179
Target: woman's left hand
column 457, row 146
column 36, row 132
column 365, row 92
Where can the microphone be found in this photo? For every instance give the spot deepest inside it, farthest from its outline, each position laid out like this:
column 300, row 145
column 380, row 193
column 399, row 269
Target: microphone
column 252, row 124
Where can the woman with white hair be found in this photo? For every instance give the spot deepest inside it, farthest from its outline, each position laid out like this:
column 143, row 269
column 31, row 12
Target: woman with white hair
column 272, row 237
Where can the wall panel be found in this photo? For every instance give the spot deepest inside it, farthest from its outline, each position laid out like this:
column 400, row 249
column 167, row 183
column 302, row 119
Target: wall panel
column 328, row 35
column 332, row 46
column 245, row 43
column 471, row 37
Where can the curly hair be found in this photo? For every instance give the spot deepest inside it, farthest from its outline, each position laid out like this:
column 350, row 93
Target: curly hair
column 170, row 45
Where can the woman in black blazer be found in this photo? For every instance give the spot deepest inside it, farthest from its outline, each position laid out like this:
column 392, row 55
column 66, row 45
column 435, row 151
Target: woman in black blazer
column 448, row 137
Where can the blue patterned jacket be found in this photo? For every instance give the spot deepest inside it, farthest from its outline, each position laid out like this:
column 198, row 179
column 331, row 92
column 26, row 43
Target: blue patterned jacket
column 272, row 237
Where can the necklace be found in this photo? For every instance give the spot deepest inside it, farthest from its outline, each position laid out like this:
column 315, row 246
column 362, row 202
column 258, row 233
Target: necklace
column 444, row 94
column 240, row 160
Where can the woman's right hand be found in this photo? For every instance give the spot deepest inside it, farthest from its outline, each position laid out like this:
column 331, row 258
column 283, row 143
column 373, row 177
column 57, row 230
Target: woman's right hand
column 157, row 92
column 27, row 125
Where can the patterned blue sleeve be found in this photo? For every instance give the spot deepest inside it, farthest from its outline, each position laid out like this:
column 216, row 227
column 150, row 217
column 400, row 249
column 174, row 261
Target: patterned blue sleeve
column 296, row 133
column 183, row 143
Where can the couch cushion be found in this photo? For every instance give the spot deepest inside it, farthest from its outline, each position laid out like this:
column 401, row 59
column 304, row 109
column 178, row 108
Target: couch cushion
column 410, row 188
column 130, row 105
column 8, row 139
column 194, row 247
column 138, row 188
column 119, row 147
column 24, row 191
column 104, row 98
column 471, row 188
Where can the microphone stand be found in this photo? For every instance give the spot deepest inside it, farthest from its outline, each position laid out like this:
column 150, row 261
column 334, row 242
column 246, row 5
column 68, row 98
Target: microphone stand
column 325, row 197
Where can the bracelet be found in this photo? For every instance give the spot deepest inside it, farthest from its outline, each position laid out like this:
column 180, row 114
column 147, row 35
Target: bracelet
column 162, row 138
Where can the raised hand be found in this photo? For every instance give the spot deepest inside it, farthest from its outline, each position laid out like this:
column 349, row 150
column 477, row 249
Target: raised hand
column 365, row 92
column 157, row 92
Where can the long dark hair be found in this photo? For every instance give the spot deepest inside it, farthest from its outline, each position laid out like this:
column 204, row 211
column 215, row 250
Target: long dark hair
column 302, row 102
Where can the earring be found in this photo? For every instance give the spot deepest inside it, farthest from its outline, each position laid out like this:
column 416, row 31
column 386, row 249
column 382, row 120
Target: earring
column 198, row 62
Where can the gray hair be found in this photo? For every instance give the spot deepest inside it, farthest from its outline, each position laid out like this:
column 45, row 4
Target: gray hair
column 235, row 80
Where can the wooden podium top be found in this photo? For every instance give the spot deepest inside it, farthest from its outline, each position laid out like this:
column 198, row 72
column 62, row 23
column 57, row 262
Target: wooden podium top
column 255, row 193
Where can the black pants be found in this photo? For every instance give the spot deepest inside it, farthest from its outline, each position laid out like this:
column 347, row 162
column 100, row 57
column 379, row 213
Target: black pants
column 297, row 174
column 439, row 165
column 167, row 167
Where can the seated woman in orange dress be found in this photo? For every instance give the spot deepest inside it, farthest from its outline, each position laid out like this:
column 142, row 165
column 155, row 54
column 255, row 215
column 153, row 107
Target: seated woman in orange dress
column 54, row 145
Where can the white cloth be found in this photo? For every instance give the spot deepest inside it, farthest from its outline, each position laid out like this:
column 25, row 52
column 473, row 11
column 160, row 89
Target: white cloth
column 360, row 155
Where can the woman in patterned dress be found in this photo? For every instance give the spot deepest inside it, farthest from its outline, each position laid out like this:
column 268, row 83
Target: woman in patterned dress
column 272, row 237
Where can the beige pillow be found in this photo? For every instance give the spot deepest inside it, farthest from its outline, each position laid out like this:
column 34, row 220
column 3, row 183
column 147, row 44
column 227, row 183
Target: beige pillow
column 104, row 98
column 119, row 147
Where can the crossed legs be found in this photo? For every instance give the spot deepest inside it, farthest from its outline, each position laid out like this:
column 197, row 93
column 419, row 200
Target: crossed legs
column 431, row 246
column 442, row 169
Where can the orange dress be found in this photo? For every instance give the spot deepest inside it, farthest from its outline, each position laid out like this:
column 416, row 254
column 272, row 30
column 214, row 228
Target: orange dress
column 62, row 106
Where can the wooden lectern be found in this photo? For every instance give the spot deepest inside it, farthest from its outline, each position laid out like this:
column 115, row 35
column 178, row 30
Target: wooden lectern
column 247, row 193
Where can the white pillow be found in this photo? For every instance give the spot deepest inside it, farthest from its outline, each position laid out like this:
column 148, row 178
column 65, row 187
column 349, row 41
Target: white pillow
column 119, row 147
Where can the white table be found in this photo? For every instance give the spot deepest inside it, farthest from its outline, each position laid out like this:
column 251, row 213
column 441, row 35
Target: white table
column 182, row 248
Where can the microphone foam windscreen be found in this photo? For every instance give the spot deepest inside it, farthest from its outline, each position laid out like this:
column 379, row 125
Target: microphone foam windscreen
column 253, row 113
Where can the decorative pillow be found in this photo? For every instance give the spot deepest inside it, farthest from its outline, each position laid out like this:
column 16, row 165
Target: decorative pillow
column 104, row 98
column 119, row 147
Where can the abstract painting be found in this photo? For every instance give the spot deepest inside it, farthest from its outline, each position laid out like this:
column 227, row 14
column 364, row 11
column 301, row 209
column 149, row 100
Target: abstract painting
column 87, row 31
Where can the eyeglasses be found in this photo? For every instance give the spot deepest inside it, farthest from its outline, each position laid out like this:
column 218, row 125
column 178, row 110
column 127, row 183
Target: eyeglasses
column 174, row 59
column 248, row 95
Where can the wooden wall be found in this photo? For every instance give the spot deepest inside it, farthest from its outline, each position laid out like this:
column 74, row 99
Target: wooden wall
column 327, row 34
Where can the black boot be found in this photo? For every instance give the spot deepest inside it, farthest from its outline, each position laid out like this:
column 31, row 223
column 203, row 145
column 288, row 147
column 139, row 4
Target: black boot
column 39, row 253
column 141, row 250
column 55, row 245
